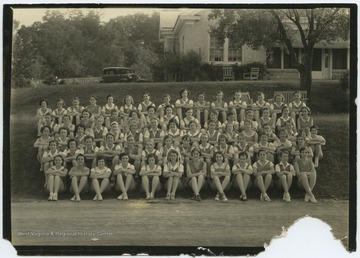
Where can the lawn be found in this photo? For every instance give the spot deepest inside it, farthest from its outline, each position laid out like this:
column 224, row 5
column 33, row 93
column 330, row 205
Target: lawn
column 27, row 181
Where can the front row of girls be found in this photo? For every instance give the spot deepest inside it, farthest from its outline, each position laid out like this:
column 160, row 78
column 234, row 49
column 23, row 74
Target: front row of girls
column 171, row 175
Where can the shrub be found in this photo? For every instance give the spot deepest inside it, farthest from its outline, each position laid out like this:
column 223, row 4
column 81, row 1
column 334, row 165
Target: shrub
column 211, row 72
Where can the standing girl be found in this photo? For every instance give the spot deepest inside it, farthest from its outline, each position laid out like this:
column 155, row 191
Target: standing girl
column 238, row 106
column 201, row 108
column 183, row 104
column 41, row 112
column 304, row 122
column 93, row 108
column 259, row 105
column 296, row 105
column 42, row 143
column 220, row 106
column 106, row 110
column 75, row 111
column 59, row 111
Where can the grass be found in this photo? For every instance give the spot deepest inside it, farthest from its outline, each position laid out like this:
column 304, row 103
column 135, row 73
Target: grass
column 27, row 181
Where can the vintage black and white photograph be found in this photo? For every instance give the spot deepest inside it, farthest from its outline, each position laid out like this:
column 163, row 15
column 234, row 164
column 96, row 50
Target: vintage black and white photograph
column 178, row 129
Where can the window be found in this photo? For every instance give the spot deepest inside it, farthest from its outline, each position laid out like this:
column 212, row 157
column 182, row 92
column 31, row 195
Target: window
column 234, row 54
column 273, row 59
column 339, row 59
column 316, row 66
column 216, row 49
column 288, row 63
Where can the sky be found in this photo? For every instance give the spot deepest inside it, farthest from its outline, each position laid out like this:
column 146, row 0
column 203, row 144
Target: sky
column 27, row 16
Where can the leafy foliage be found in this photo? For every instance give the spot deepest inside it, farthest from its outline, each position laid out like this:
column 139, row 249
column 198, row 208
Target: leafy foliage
column 283, row 27
column 77, row 45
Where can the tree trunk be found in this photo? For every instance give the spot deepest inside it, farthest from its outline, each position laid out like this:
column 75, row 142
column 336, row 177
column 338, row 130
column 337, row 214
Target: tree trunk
column 305, row 73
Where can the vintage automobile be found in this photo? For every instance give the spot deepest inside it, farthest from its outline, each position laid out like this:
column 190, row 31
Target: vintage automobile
column 119, row 74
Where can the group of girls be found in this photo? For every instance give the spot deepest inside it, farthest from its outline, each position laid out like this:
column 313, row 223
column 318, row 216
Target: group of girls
column 189, row 143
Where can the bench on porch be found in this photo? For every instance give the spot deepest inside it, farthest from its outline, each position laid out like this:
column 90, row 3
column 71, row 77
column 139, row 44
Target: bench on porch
column 253, row 75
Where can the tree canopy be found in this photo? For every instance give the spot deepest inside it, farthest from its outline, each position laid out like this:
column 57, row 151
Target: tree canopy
column 269, row 28
column 78, row 45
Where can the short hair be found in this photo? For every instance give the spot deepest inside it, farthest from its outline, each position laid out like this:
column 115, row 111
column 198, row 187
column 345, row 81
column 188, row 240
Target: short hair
column 185, row 137
column 261, row 150
column 218, row 153
column 314, row 127
column 242, row 154
column 80, row 155
column 80, row 126
column 260, row 93
column 76, row 98
column 307, row 108
column 88, row 137
column 151, row 106
column 45, row 126
column 101, row 158
column 66, row 115
column 182, row 90
column 166, row 95
column 108, row 96
column 168, row 137
column 202, row 93
column 110, row 134
column 222, row 136
column 219, row 91
column 132, row 112
column 70, row 141
column 59, row 156
column 43, row 100
column 186, row 110
column 279, row 95
column 61, row 100
column 285, row 106
column 146, row 93
column 195, row 149
column 53, row 141
column 151, row 155
column 265, row 109
column 263, row 134
column 86, row 110
column 173, row 151
column 168, row 106
column 128, row 96
column 64, row 128
column 123, row 154
column 284, row 152
column 282, row 131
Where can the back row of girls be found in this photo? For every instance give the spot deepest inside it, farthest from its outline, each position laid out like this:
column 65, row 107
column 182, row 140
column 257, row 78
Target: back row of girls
column 201, row 109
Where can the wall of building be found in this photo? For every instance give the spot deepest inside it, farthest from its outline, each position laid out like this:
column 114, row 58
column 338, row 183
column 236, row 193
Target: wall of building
column 195, row 36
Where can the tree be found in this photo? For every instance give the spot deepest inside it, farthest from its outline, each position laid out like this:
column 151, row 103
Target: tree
column 282, row 27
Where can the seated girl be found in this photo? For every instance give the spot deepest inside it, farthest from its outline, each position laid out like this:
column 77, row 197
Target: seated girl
column 79, row 178
column 56, row 178
column 173, row 171
column 196, row 172
column 150, row 176
column 124, row 173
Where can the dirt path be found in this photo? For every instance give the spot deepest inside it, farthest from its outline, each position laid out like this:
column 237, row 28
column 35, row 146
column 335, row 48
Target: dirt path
column 184, row 223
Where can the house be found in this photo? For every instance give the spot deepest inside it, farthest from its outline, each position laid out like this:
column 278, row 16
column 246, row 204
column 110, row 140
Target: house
column 182, row 30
